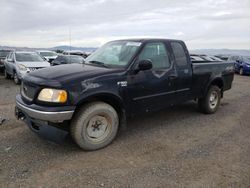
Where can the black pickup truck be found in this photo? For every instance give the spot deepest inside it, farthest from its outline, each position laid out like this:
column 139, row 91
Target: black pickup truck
column 119, row 80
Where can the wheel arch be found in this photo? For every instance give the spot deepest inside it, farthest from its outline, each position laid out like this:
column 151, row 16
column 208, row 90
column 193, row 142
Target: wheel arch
column 109, row 98
column 218, row 81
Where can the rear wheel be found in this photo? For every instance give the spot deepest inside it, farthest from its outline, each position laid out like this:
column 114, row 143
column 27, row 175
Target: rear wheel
column 210, row 103
column 16, row 79
column 241, row 71
column 95, row 126
column 6, row 75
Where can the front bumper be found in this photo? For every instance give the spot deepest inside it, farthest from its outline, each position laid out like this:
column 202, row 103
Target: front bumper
column 44, row 129
column 51, row 114
column 51, row 125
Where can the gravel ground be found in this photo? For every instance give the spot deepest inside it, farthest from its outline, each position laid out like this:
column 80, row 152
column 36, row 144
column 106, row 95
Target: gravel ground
column 177, row 147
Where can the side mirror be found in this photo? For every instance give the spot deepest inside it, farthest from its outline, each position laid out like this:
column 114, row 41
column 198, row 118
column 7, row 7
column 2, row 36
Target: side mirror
column 145, row 64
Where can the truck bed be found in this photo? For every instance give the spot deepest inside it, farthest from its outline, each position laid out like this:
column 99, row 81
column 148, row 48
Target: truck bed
column 204, row 71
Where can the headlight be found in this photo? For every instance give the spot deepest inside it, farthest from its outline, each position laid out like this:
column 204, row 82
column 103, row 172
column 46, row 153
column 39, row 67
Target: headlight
column 52, row 95
column 22, row 67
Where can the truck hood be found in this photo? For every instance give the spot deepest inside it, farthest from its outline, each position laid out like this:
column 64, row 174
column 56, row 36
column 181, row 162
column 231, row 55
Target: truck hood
column 34, row 64
column 70, row 72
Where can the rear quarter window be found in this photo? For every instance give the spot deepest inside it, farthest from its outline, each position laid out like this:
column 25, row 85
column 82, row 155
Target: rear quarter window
column 179, row 54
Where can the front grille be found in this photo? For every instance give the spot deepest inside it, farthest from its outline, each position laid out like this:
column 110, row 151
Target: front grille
column 28, row 91
column 34, row 68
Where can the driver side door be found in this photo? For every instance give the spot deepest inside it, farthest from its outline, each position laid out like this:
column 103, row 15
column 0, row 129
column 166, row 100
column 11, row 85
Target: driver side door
column 152, row 89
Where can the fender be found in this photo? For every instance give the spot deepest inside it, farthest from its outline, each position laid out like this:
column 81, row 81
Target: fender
column 215, row 81
column 105, row 96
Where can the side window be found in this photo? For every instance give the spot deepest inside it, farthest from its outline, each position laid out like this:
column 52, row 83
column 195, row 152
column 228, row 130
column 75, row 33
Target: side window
column 157, row 53
column 179, row 54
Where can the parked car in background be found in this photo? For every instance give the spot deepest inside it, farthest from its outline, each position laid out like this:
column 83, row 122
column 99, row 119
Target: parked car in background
column 197, row 58
column 79, row 53
column 3, row 55
column 67, row 59
column 18, row 63
column 223, row 57
column 48, row 55
column 211, row 58
column 241, row 64
column 204, row 58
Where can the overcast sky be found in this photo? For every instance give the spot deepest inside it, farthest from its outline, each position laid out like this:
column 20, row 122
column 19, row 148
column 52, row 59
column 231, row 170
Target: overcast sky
column 200, row 23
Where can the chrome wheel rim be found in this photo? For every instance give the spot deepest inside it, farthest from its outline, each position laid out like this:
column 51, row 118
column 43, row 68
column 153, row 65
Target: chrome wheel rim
column 98, row 128
column 213, row 99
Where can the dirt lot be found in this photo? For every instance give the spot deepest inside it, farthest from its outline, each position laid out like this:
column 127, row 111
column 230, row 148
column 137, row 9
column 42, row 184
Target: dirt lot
column 177, row 147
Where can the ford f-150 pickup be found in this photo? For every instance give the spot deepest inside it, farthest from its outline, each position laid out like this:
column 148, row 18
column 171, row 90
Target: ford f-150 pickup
column 121, row 79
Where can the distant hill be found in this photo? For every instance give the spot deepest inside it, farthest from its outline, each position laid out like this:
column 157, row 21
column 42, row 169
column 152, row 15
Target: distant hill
column 221, row 52
column 73, row 48
column 64, row 48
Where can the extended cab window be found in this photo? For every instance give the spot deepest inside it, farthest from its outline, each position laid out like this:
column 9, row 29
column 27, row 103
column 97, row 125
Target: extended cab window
column 157, row 53
column 179, row 54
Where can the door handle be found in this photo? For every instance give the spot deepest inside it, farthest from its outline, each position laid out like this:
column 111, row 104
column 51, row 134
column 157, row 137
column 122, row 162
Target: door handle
column 172, row 76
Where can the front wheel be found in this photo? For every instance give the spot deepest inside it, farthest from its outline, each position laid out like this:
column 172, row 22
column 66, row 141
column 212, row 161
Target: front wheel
column 16, row 79
column 211, row 102
column 95, row 126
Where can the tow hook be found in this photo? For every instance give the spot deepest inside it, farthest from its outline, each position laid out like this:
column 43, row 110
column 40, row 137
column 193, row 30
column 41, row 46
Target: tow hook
column 19, row 114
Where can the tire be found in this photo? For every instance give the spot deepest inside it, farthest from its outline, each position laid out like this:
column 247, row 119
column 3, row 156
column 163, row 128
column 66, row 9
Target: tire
column 16, row 79
column 211, row 102
column 94, row 126
column 241, row 71
column 6, row 75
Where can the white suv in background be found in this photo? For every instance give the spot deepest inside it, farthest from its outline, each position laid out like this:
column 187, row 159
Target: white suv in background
column 18, row 63
column 48, row 55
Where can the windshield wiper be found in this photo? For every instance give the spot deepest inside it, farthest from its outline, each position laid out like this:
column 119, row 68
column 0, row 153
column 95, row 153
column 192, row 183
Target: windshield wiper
column 99, row 63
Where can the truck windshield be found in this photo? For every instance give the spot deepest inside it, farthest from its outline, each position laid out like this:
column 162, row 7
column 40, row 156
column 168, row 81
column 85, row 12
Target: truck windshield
column 116, row 53
column 31, row 57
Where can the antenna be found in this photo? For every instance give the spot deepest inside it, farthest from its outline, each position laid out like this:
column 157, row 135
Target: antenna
column 69, row 38
column 69, row 44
